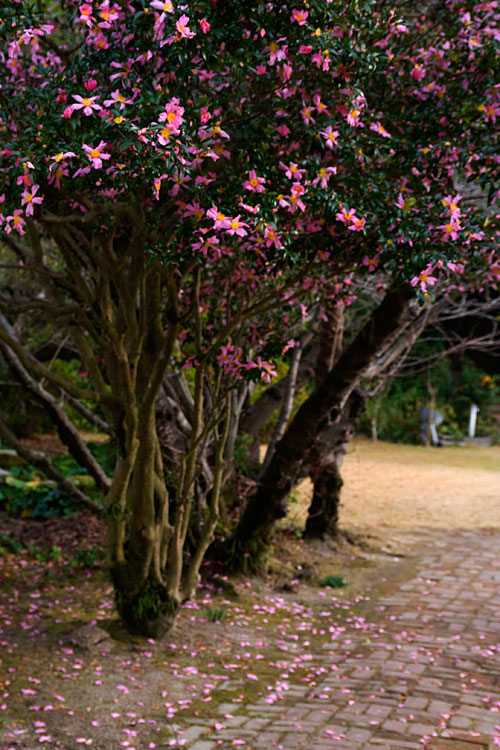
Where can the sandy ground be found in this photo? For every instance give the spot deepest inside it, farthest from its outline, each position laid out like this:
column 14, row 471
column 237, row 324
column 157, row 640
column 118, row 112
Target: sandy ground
column 406, row 486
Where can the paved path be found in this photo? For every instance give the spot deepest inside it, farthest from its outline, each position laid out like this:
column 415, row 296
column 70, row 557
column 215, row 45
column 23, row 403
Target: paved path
column 429, row 675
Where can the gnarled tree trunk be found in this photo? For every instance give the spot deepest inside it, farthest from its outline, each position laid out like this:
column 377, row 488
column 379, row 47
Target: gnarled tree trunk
column 316, row 415
column 324, row 469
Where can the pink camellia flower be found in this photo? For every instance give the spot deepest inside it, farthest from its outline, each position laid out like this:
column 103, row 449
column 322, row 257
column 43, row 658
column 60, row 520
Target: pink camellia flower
column 353, row 117
column 357, row 224
column 17, row 220
column 29, row 198
column 283, row 130
column 377, row 127
column 418, row 72
column 85, row 14
column 68, row 112
column 205, row 114
column 183, row 28
column 205, row 26
column 346, row 215
column 173, row 114
column 237, row 227
column 299, row 16
column 307, row 115
column 271, row 236
column 220, row 220
column 254, row 184
column 117, row 98
column 87, row 103
column 164, row 135
column 90, row 85
column 107, row 15
column 57, row 171
column 96, row 154
column 323, row 176
column 166, row 6
column 450, row 230
column 330, row 136
column 452, row 204
column 424, row 279
column 292, row 171
column 276, row 53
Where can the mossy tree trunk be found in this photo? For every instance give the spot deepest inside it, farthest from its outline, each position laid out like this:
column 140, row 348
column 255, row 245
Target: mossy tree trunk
column 119, row 308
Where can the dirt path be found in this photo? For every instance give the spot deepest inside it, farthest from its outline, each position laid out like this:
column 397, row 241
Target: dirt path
column 387, row 485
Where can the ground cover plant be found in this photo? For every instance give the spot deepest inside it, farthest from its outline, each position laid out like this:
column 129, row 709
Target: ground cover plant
column 184, row 186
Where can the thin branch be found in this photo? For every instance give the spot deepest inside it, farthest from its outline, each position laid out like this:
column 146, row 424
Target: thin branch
column 42, row 461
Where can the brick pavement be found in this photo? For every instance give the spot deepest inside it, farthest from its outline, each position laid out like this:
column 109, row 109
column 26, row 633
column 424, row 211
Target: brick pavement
column 428, row 676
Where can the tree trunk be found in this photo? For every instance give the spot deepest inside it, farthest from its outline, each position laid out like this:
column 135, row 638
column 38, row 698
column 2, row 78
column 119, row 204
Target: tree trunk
column 251, row 538
column 322, row 515
column 324, row 470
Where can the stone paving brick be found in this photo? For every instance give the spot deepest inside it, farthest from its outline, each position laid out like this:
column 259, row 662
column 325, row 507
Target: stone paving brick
column 429, row 677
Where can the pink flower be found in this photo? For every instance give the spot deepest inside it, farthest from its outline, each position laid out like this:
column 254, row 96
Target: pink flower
column 205, row 114
column 292, row 171
column 450, row 230
column 319, row 105
column 452, row 204
column 107, row 15
column 220, row 220
column 173, row 114
column 237, row 227
column 323, row 176
column 166, row 6
column 117, row 98
column 346, row 216
column 29, row 198
column 271, row 236
column 299, row 16
column 254, row 184
column 68, row 112
column 353, row 117
column 205, row 26
column 424, row 278
column 17, row 220
column 85, row 14
column 57, row 170
column 418, row 72
column 377, row 127
column 88, row 104
column 267, row 370
column 330, row 136
column 183, row 28
column 357, row 224
column 164, row 135
column 307, row 115
column 96, row 154
column 276, row 53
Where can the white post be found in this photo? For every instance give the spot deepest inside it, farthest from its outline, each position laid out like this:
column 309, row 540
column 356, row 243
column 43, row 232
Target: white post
column 472, row 420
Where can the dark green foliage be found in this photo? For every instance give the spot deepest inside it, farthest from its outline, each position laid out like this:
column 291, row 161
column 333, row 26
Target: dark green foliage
column 333, row 582
column 87, row 557
column 458, row 383
column 215, row 614
column 33, row 500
